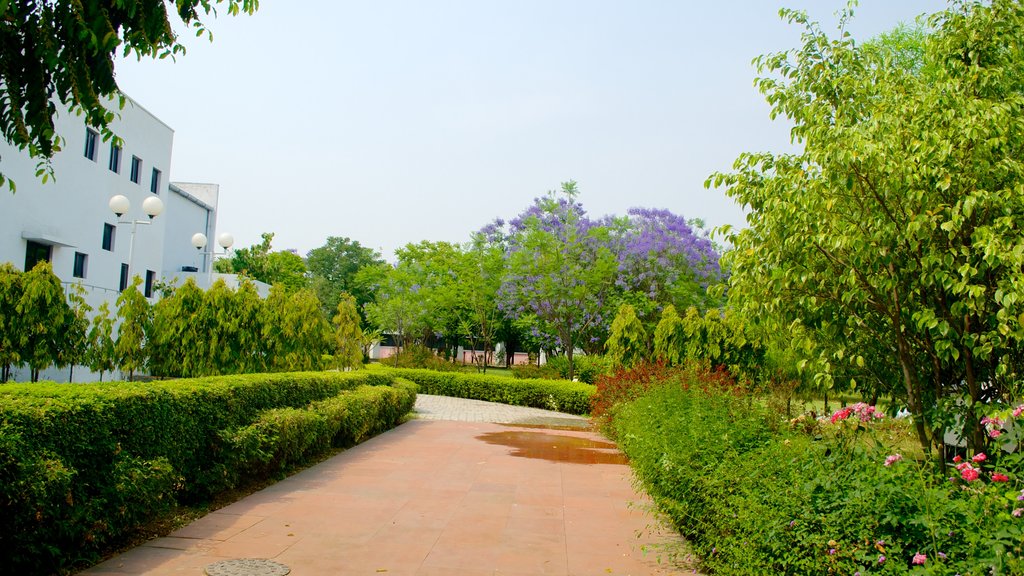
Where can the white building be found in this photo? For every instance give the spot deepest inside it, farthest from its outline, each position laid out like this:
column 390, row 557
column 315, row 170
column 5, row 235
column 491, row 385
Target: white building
column 68, row 220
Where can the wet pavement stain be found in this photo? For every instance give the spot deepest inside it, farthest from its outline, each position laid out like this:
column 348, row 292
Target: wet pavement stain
column 556, row 447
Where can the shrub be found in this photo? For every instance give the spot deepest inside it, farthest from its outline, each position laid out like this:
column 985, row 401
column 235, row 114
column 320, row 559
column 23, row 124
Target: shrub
column 81, row 465
column 419, row 356
column 560, row 395
column 534, row 372
column 757, row 498
column 587, row 368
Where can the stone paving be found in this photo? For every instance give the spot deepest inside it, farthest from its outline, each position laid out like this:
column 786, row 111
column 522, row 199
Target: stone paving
column 430, row 407
column 447, row 493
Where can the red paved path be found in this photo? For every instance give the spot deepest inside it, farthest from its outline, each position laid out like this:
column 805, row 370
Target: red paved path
column 434, row 498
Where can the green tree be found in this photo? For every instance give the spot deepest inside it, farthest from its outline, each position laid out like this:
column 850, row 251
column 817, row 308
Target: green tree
column 296, row 333
column 76, row 331
column 898, row 223
column 333, row 268
column 398, row 309
column 348, row 352
column 260, row 263
column 133, row 313
column 179, row 335
column 63, row 52
column 627, row 342
column 43, row 311
column 479, row 274
column 100, row 355
column 11, row 331
column 670, row 337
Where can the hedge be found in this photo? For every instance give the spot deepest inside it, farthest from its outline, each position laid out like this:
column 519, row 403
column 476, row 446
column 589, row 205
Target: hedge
column 560, row 395
column 81, row 465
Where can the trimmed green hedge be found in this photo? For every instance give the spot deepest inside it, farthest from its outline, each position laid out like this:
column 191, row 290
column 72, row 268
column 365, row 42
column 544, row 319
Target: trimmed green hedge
column 560, row 395
column 81, row 465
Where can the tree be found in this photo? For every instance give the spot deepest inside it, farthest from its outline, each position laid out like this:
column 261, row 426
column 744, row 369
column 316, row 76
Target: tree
column 347, row 333
column 480, row 274
column 11, row 288
column 297, row 335
column 76, row 330
column 898, row 224
column 627, row 343
column 63, row 52
column 560, row 271
column 100, row 355
column 133, row 313
column 333, row 268
column 664, row 258
column 398, row 309
column 43, row 311
column 259, row 263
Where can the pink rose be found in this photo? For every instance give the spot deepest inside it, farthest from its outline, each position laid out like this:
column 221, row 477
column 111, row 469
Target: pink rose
column 919, row 558
column 979, row 457
column 893, row 459
column 969, row 474
column 997, row 477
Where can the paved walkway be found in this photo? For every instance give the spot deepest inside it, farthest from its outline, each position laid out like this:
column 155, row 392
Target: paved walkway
column 457, row 497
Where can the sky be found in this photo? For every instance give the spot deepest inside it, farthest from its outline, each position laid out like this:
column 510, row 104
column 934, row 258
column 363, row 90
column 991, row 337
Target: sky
column 397, row 121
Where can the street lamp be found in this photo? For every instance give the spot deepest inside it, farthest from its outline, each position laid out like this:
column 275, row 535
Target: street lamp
column 120, row 205
column 225, row 240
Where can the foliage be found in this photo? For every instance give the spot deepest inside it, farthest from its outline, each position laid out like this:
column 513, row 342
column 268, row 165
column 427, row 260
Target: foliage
column 295, row 333
column 560, row 395
column 84, row 464
column 348, row 336
column 754, row 496
column 75, row 345
column 665, row 258
column 627, row 343
column 626, row 384
column 560, row 271
column 892, row 239
column 398, row 309
column 718, row 338
column 334, row 268
column 419, row 356
column 11, row 287
column 586, row 368
column 133, row 313
column 260, row 263
column 63, row 53
column 43, row 315
column 99, row 355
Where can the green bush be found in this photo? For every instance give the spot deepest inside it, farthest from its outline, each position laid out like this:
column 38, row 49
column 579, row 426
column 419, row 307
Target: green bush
column 560, row 395
column 587, row 368
column 81, row 465
column 756, row 498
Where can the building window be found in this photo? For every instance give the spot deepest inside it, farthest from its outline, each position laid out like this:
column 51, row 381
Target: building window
column 81, row 265
column 108, row 237
column 123, row 284
column 115, row 158
column 150, row 280
column 154, row 183
column 136, row 172
column 91, row 138
column 36, row 253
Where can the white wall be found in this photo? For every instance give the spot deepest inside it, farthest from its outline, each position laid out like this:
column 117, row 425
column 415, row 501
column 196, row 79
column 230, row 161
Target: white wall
column 70, row 211
column 190, row 212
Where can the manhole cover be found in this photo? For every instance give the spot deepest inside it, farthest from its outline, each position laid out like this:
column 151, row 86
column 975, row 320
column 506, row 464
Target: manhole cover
column 247, row 567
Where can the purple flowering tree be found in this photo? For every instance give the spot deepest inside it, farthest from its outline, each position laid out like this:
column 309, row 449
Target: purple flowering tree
column 664, row 257
column 560, row 271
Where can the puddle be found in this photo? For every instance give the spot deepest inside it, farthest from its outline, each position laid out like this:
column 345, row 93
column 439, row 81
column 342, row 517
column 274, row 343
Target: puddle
column 572, row 426
column 556, row 448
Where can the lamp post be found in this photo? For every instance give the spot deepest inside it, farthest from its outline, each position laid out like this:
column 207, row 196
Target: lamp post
column 225, row 240
column 120, row 205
